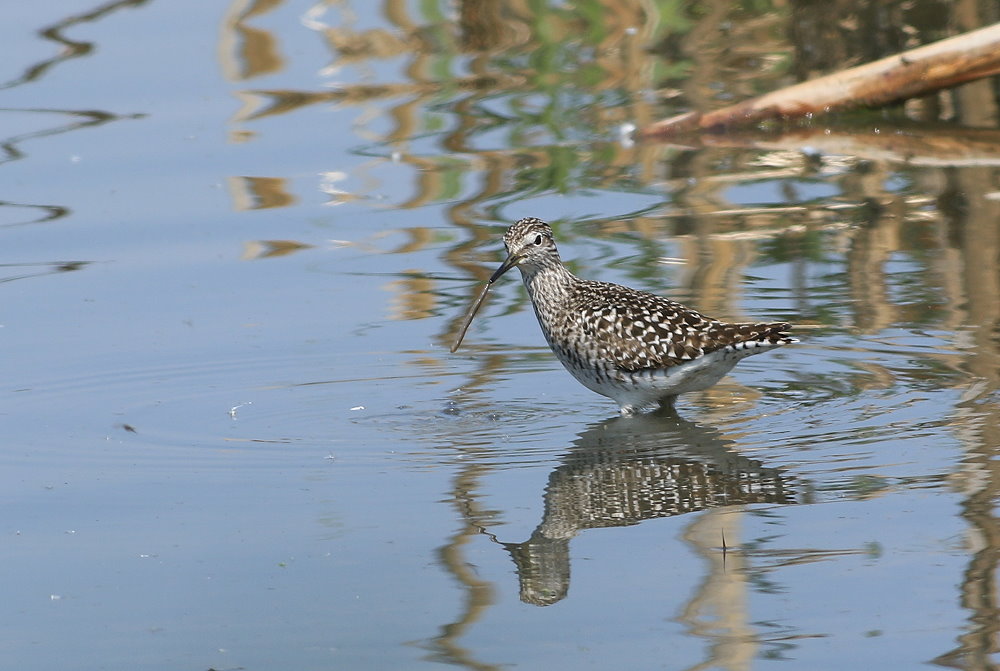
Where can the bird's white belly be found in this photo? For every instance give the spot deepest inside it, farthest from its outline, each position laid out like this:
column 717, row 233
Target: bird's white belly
column 641, row 389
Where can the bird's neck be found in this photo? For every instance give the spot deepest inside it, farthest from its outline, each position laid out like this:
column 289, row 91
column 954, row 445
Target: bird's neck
column 549, row 284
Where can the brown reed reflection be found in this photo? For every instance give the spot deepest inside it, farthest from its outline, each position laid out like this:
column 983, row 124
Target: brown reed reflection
column 245, row 51
column 269, row 249
column 259, row 193
column 973, row 224
column 503, row 46
column 478, row 593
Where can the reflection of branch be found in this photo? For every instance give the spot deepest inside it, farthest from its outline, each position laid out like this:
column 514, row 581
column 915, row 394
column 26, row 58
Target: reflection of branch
column 11, row 152
column 49, row 213
column 72, row 49
column 920, row 145
column 912, row 73
column 50, row 269
column 88, row 118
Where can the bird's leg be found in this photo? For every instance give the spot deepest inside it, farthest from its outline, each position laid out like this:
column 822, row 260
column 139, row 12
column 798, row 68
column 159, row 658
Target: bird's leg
column 667, row 402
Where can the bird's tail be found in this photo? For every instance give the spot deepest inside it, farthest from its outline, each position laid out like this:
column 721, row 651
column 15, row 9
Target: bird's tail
column 759, row 334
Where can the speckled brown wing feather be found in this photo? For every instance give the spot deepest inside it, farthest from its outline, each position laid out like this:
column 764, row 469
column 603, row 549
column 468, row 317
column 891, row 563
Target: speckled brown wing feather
column 639, row 330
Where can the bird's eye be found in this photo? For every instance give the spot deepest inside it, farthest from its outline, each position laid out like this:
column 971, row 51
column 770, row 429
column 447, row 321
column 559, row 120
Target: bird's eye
column 538, row 239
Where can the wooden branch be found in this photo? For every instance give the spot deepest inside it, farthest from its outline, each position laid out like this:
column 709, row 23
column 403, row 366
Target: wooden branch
column 917, row 72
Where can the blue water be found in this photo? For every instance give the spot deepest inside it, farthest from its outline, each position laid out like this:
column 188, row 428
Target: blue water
column 235, row 436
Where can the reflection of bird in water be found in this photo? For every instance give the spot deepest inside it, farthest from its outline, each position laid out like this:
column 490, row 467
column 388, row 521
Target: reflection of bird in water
column 637, row 348
column 623, row 471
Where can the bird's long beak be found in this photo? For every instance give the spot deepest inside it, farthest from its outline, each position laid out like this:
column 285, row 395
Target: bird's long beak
column 504, row 267
column 509, row 263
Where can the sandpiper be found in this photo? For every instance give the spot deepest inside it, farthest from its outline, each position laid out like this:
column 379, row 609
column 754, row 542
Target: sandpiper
column 634, row 347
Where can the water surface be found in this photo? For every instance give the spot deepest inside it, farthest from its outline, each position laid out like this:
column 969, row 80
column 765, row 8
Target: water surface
column 239, row 239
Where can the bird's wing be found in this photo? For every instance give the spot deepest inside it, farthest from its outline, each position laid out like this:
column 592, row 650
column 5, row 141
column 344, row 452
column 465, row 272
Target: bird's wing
column 638, row 330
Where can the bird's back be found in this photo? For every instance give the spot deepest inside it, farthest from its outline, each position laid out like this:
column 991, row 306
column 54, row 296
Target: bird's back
column 636, row 330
